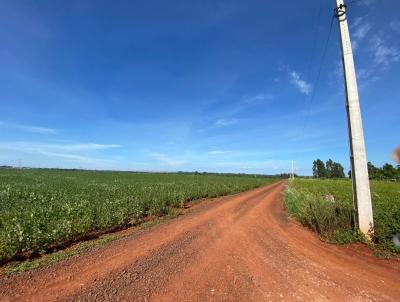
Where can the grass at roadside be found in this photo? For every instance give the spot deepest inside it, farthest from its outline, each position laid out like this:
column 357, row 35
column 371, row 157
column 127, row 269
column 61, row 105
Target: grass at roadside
column 19, row 267
column 325, row 206
column 80, row 247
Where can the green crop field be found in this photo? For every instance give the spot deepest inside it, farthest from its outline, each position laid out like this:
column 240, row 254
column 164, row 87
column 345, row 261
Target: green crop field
column 326, row 207
column 42, row 209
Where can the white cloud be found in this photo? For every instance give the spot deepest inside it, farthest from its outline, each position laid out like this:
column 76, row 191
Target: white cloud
column 367, row 76
column 362, row 30
column 165, row 159
column 85, row 146
column 68, row 152
column 303, row 86
column 378, row 48
column 270, row 164
column 218, row 152
column 226, row 122
column 29, row 128
column 383, row 54
column 78, row 158
column 34, row 146
column 357, row 21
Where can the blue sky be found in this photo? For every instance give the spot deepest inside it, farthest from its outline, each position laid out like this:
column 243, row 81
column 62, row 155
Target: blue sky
column 191, row 85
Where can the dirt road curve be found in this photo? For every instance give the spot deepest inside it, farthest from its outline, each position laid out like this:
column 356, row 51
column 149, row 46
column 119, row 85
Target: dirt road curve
column 236, row 248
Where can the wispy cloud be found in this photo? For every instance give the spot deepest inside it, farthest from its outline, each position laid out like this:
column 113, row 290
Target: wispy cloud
column 29, row 128
column 362, row 30
column 218, row 152
column 68, row 152
column 357, row 21
column 35, row 146
column 77, row 158
column 261, row 97
column 85, row 146
column 377, row 47
column 226, row 122
column 367, row 75
column 270, row 164
column 383, row 53
column 165, row 159
column 395, row 25
column 302, row 85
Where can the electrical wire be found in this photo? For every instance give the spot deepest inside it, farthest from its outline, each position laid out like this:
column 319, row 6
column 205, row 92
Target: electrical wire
column 317, row 78
column 311, row 60
column 315, row 85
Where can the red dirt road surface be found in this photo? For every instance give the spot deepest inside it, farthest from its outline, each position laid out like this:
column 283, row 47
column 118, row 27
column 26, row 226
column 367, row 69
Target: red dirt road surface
column 236, row 248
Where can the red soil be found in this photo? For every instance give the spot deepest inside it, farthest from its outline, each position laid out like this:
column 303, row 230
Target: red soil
column 236, row 248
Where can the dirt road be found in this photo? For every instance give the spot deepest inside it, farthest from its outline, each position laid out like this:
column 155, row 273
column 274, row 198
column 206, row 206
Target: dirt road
column 235, row 248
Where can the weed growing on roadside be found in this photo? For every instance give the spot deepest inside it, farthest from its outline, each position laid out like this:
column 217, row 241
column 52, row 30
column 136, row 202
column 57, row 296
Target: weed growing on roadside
column 325, row 206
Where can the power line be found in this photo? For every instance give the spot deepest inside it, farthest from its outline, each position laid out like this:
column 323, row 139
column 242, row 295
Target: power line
column 315, row 85
column 316, row 82
column 311, row 60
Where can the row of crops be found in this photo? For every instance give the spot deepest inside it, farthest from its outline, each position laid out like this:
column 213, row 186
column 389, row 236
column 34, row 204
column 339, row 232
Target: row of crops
column 42, row 209
column 326, row 207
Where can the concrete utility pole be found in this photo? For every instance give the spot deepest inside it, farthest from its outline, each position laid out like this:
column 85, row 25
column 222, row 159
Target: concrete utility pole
column 292, row 174
column 359, row 170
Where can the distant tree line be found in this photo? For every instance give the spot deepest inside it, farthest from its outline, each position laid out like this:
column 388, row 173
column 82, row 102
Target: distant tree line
column 332, row 169
column 386, row 172
column 287, row 175
column 227, row 174
column 329, row 170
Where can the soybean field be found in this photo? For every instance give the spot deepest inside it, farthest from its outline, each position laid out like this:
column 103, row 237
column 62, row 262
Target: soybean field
column 42, row 209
